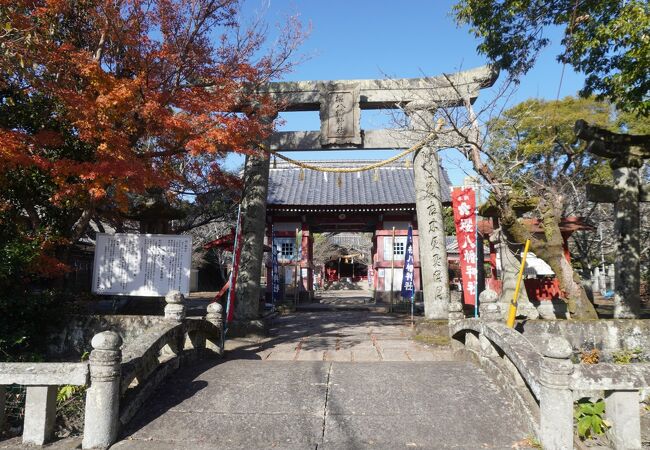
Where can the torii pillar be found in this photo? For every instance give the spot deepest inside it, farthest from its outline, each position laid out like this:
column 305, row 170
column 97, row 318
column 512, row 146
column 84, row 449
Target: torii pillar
column 253, row 223
column 431, row 228
column 626, row 154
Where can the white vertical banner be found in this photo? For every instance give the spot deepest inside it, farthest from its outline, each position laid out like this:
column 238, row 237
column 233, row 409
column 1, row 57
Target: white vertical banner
column 145, row 265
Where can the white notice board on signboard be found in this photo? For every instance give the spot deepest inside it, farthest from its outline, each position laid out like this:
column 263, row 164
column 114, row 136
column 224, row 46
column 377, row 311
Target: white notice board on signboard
column 146, row 265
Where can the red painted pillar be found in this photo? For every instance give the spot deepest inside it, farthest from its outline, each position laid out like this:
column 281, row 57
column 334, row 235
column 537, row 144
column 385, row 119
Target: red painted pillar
column 375, row 262
column 269, row 261
column 307, row 261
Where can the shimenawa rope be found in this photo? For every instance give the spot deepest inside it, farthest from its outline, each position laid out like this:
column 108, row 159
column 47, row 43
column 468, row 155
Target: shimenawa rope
column 368, row 167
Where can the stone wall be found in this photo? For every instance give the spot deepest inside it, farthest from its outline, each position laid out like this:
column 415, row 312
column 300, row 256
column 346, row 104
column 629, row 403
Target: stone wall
column 71, row 342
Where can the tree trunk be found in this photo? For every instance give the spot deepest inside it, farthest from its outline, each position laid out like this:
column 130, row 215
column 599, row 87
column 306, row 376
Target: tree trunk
column 551, row 250
column 553, row 253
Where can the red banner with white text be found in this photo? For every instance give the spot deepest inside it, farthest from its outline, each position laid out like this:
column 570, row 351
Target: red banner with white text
column 464, row 204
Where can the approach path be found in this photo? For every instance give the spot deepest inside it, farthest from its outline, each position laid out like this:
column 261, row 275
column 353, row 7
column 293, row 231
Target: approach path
column 329, row 380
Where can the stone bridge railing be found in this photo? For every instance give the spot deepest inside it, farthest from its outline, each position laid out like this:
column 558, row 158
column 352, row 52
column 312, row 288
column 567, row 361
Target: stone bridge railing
column 545, row 384
column 119, row 378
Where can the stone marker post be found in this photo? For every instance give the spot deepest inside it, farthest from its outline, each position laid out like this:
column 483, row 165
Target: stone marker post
column 40, row 414
column 555, row 397
column 622, row 410
column 428, row 203
column 101, row 422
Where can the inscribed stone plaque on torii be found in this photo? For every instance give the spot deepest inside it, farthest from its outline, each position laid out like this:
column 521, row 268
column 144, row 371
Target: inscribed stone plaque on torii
column 340, row 115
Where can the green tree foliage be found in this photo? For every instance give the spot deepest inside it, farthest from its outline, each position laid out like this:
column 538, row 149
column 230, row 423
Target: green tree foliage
column 532, row 147
column 533, row 144
column 608, row 41
column 448, row 219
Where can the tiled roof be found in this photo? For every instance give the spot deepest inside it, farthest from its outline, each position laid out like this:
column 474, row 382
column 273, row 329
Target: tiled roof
column 395, row 186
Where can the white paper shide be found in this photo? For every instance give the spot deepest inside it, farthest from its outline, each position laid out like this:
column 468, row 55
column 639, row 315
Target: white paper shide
column 142, row 264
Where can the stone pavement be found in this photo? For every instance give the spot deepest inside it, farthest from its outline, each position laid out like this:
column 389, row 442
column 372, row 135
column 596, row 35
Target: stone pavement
column 340, row 380
column 336, row 336
column 343, row 300
column 327, row 405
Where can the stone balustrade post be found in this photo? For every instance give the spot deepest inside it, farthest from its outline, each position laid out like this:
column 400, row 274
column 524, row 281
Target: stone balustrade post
column 215, row 316
column 101, row 422
column 622, row 410
column 40, row 414
column 489, row 307
column 175, row 309
column 455, row 311
column 556, row 399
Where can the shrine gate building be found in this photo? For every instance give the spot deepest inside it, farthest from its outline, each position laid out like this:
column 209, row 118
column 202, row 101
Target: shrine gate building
column 374, row 202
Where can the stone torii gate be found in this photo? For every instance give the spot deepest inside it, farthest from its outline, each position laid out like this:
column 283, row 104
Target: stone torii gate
column 626, row 154
column 340, row 104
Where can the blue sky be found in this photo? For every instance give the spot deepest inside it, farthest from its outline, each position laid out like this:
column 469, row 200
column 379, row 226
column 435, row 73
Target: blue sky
column 358, row 39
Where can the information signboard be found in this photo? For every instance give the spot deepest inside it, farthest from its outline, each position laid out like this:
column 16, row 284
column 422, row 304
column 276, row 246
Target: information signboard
column 144, row 265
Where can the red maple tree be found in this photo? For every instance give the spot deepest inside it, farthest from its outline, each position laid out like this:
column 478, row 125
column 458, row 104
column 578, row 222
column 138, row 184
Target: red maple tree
column 148, row 89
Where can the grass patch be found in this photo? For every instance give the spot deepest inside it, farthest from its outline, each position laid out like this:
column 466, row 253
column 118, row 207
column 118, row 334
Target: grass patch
column 433, row 321
column 432, row 340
